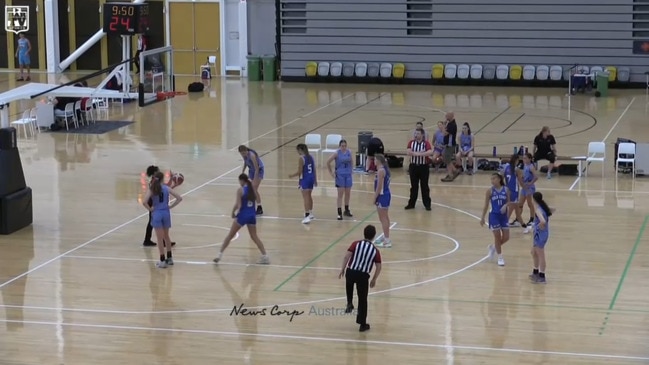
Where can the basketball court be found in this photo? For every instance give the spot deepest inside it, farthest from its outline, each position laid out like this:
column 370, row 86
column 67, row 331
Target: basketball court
column 78, row 286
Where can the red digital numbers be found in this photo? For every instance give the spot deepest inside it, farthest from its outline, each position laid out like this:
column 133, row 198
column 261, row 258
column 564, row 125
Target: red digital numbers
column 116, row 21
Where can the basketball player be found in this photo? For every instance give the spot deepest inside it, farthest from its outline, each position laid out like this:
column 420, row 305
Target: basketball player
column 158, row 194
column 255, row 166
column 244, row 214
column 541, row 236
column 438, row 144
column 150, row 171
column 308, row 179
column 514, row 179
column 342, row 176
column 467, row 145
column 382, row 199
column 528, row 188
column 22, row 53
column 498, row 196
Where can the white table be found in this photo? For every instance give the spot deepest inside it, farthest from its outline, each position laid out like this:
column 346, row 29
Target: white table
column 44, row 114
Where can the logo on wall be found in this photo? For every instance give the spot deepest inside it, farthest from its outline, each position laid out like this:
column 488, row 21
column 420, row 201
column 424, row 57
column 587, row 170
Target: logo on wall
column 16, row 19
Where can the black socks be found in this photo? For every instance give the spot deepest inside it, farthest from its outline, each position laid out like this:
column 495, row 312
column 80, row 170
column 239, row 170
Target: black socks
column 163, row 258
column 535, row 272
column 168, row 254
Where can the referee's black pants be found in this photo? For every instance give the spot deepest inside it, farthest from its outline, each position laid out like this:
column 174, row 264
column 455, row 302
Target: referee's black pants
column 362, row 282
column 149, row 230
column 419, row 177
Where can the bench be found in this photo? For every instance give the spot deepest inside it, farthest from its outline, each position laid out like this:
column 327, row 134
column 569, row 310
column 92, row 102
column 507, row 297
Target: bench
column 490, row 156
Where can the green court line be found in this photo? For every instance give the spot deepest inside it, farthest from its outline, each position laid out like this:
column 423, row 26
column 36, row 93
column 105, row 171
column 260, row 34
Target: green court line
column 482, row 302
column 325, row 250
column 625, row 272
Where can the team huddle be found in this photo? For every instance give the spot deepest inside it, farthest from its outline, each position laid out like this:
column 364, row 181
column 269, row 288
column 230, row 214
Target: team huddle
column 510, row 190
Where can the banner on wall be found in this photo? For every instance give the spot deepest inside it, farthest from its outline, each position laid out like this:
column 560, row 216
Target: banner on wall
column 16, row 19
column 641, row 47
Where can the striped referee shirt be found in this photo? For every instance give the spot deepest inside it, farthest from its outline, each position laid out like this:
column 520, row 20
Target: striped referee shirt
column 419, row 146
column 364, row 256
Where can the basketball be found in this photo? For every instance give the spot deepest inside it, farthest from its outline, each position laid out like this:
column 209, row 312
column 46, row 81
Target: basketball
column 177, row 179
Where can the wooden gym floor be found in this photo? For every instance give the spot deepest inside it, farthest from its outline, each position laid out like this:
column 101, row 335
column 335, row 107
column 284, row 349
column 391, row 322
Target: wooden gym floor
column 77, row 287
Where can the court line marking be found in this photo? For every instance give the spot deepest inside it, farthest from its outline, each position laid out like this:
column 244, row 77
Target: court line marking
column 117, row 228
column 236, row 237
column 300, row 337
column 325, row 250
column 608, row 134
column 625, row 272
column 492, row 120
column 262, row 217
column 193, row 262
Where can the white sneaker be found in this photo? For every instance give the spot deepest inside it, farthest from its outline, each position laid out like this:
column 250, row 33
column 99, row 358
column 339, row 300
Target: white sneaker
column 492, row 251
column 386, row 244
column 264, row 260
column 217, row 259
column 379, row 241
column 528, row 229
column 161, row 265
column 501, row 261
column 307, row 219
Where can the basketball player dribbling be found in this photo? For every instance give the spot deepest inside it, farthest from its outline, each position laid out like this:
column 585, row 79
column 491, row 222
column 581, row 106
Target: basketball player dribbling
column 528, row 188
column 382, row 197
column 158, row 195
column 342, row 176
column 541, row 236
column 150, row 171
column 498, row 197
column 307, row 180
column 255, row 165
column 245, row 214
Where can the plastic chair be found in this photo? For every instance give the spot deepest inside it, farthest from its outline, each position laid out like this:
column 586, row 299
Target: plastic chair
column 596, row 69
column 596, row 153
column 489, row 72
column 332, row 141
column 313, row 142
column 502, row 71
column 373, row 70
column 529, row 72
column 399, row 71
column 311, row 69
column 450, row 71
column 515, row 72
column 348, row 69
column 323, row 69
column 361, row 69
column 336, row 69
column 623, row 152
column 476, row 72
column 385, row 70
column 463, row 72
column 69, row 115
column 556, row 73
column 623, row 74
column 438, row 71
column 612, row 73
column 26, row 122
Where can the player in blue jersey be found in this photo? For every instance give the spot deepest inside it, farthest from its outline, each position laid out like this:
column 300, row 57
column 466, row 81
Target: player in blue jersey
column 467, row 145
column 438, row 144
column 498, row 197
column 22, row 53
column 156, row 201
column 541, row 236
column 342, row 176
column 306, row 170
column 514, row 179
column 255, row 166
column 528, row 188
column 245, row 214
column 382, row 197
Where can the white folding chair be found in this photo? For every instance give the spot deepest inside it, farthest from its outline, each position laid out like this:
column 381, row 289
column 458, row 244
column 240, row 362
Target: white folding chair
column 386, row 70
column 313, row 142
column 26, row 122
column 78, row 113
column 624, row 150
column 529, row 72
column 100, row 103
column 463, row 72
column 596, row 153
column 332, row 141
column 336, row 69
column 623, row 74
column 348, row 69
column 450, row 71
column 502, row 72
column 556, row 73
column 323, row 69
column 33, row 115
column 69, row 115
column 542, row 72
column 361, row 69
column 476, row 72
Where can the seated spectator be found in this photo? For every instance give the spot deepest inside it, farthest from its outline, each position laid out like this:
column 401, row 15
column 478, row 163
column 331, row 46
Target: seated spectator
column 545, row 148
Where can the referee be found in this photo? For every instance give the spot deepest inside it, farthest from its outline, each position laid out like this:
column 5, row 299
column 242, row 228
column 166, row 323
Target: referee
column 357, row 265
column 419, row 170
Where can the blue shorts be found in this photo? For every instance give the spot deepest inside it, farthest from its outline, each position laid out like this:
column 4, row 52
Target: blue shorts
column 23, row 59
column 245, row 219
column 251, row 174
column 498, row 221
column 540, row 237
column 438, row 149
column 344, row 181
column 528, row 192
column 383, row 201
column 306, row 184
column 513, row 196
column 161, row 219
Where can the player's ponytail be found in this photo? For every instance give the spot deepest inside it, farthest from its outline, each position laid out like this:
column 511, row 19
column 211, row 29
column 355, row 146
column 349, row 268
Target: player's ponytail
column 383, row 162
column 303, row 149
column 251, row 195
column 538, row 198
column 156, row 183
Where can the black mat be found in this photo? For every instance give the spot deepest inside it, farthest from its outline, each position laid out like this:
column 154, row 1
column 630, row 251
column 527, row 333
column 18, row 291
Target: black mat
column 100, row 127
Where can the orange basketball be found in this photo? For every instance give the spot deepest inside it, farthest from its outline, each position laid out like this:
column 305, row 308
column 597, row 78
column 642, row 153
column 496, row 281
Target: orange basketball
column 177, row 179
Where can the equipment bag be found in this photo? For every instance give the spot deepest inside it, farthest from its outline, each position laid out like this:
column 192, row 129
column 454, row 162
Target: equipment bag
column 195, row 87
